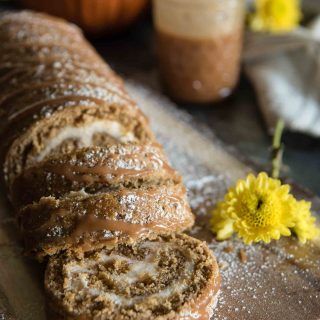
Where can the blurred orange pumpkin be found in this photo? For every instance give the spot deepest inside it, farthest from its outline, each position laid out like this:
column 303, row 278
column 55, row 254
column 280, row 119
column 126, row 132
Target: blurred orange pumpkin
column 95, row 17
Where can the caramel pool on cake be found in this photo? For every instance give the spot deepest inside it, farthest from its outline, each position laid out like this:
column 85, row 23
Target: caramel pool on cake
column 199, row 46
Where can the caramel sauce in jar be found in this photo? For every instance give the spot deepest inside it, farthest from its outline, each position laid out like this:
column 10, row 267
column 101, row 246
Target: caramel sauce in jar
column 199, row 44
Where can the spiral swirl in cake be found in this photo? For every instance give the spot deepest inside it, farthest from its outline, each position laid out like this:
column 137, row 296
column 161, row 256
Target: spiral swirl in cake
column 172, row 277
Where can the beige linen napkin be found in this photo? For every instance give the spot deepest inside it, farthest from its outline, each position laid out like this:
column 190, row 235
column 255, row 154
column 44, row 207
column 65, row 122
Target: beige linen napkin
column 285, row 71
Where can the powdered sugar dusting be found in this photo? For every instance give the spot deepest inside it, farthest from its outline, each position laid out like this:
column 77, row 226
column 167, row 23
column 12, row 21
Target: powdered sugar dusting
column 205, row 192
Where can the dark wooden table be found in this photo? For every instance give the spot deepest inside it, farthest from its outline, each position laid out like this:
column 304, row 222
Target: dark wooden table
column 236, row 121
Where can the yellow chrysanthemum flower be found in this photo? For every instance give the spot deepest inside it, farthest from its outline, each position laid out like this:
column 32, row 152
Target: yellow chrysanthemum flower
column 305, row 227
column 275, row 15
column 261, row 209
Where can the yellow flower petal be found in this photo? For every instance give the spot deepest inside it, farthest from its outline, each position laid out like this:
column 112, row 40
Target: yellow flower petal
column 221, row 224
column 305, row 227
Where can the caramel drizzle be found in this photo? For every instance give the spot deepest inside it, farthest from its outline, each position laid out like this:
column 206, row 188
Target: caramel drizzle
column 22, row 118
column 32, row 109
column 86, row 174
column 91, row 223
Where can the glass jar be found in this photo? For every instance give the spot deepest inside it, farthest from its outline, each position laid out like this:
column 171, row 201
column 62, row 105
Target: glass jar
column 199, row 44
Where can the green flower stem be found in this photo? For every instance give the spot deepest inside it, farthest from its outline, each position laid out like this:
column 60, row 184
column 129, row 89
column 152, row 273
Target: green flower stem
column 277, row 150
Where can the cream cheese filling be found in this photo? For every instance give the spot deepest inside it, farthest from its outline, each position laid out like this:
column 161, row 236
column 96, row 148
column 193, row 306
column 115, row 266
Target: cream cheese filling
column 78, row 276
column 85, row 135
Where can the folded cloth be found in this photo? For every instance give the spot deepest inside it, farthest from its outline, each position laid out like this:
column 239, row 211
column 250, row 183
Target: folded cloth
column 285, row 71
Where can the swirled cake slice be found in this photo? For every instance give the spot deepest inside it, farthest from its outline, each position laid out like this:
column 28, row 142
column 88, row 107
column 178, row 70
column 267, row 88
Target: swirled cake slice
column 92, row 169
column 165, row 277
column 82, row 222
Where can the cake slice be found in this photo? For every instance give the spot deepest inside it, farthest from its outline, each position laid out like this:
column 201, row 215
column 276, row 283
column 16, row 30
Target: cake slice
column 92, row 169
column 81, row 221
column 67, row 123
column 164, row 277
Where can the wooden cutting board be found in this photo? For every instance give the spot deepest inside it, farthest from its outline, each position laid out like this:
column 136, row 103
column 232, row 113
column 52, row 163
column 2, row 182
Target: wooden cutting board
column 276, row 281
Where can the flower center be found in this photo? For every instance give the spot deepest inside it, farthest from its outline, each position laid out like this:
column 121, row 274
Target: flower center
column 259, row 210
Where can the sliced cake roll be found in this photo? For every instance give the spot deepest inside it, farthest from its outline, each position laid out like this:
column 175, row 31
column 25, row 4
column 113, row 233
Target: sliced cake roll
column 82, row 221
column 161, row 278
column 93, row 169
column 73, row 124
column 94, row 190
column 62, row 96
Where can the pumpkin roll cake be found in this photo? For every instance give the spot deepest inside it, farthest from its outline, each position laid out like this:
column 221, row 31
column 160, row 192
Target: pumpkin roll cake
column 164, row 277
column 93, row 191
column 82, row 221
column 93, row 169
column 76, row 125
